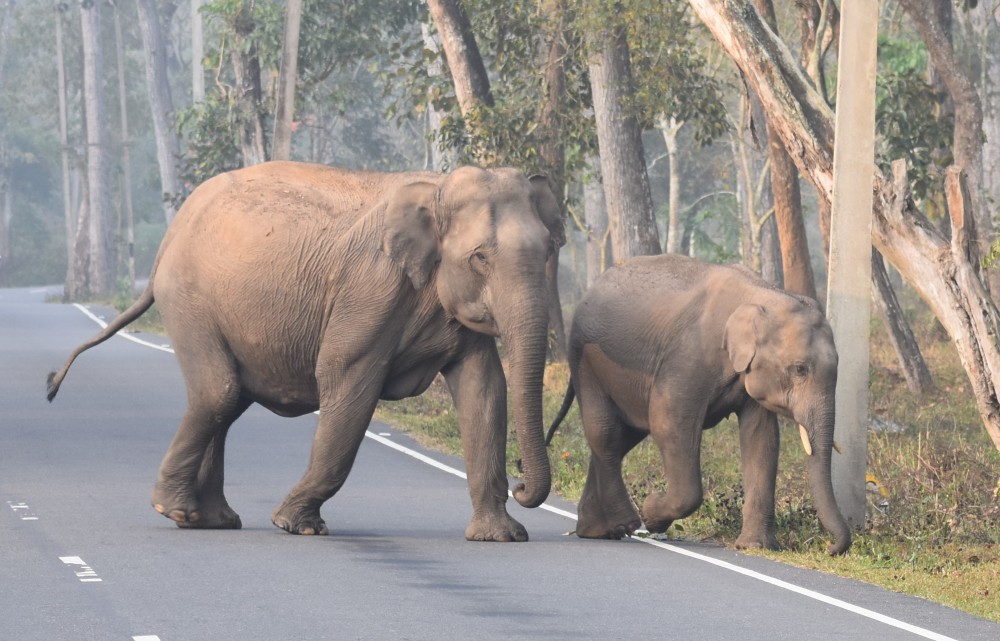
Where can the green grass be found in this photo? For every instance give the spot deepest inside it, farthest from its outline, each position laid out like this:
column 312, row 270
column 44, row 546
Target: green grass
column 934, row 533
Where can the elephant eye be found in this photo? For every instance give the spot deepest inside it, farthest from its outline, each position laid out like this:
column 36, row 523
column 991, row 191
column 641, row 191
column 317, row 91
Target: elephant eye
column 479, row 262
column 801, row 370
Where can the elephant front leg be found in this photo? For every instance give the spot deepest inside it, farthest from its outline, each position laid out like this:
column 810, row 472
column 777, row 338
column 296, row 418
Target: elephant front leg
column 679, row 440
column 344, row 415
column 479, row 391
column 759, row 460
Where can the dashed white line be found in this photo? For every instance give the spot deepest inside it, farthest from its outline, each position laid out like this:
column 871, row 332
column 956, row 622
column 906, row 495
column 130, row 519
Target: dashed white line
column 896, row 623
column 22, row 510
column 146, row 637
column 86, row 574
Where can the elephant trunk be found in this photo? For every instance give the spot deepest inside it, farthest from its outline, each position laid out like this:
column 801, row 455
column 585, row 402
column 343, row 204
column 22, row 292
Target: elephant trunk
column 524, row 335
column 821, row 437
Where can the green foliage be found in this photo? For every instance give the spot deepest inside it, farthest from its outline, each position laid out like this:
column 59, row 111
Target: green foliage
column 213, row 147
column 334, row 92
column 910, row 120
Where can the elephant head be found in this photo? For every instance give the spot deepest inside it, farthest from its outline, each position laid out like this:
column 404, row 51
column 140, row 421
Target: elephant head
column 484, row 237
column 784, row 351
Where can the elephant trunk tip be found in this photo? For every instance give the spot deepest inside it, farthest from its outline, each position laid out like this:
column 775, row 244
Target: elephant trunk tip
column 533, row 497
column 841, row 544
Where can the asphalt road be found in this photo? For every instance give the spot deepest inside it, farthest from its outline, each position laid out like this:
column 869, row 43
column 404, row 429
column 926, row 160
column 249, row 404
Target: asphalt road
column 83, row 555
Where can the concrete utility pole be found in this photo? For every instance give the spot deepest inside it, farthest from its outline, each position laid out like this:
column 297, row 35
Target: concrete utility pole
column 850, row 276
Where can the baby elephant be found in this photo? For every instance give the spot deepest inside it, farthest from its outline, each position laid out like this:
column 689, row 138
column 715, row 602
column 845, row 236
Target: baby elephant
column 669, row 346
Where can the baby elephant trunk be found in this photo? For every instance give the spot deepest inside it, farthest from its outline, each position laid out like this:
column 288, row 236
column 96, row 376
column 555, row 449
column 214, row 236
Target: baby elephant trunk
column 820, row 438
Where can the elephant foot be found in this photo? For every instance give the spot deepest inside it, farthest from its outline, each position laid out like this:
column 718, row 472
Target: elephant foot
column 299, row 521
column 659, row 510
column 594, row 522
column 495, row 527
column 757, row 540
column 192, row 515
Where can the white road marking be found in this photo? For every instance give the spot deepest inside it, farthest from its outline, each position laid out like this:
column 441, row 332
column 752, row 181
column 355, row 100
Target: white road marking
column 896, row 623
column 86, row 574
column 22, row 510
column 94, row 317
column 146, row 637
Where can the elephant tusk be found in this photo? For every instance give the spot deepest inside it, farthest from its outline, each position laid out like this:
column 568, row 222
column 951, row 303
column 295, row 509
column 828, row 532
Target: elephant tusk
column 806, row 445
column 837, row 448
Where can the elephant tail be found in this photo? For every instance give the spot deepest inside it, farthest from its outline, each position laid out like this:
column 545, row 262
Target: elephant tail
column 137, row 309
column 567, row 403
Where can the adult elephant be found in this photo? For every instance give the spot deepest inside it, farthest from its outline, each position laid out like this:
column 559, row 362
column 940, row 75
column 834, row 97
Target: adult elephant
column 304, row 287
column 669, row 346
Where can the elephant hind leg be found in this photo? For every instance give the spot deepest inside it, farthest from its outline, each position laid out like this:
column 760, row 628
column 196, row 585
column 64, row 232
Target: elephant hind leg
column 606, row 510
column 214, row 509
column 189, row 488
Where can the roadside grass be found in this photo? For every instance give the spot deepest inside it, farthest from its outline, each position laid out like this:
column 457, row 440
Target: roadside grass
column 933, row 526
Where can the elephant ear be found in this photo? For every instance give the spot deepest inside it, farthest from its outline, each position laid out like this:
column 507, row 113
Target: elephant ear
column 741, row 335
column 547, row 206
column 409, row 235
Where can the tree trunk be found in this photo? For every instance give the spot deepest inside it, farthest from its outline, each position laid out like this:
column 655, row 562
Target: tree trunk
column 554, row 157
column 468, row 73
column 623, row 164
column 5, row 201
column 74, row 281
column 983, row 33
column 943, row 273
column 437, row 159
column 968, row 138
column 161, row 103
column 197, row 52
column 101, row 267
column 281, row 145
column 79, row 286
column 670, row 129
column 598, row 235
column 249, row 111
column 126, row 164
column 797, row 274
column 918, row 377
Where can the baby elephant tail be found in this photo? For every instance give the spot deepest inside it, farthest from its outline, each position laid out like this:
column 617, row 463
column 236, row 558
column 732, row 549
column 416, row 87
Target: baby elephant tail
column 567, row 403
column 138, row 308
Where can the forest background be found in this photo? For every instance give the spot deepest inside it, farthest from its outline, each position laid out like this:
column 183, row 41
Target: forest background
column 663, row 126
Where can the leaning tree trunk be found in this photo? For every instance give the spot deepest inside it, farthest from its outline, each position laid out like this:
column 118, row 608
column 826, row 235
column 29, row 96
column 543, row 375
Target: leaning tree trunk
column 943, row 273
column 161, row 103
column 797, row 273
column 918, row 377
column 468, row 73
column 623, row 165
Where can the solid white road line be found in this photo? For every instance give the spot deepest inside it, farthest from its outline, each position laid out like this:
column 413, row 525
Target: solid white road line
column 896, row 623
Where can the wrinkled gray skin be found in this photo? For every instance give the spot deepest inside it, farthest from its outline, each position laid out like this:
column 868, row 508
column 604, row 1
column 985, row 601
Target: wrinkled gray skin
column 302, row 287
column 669, row 346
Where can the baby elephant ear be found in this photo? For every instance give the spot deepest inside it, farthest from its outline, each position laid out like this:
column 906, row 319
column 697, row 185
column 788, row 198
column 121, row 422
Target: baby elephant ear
column 409, row 235
column 740, row 338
